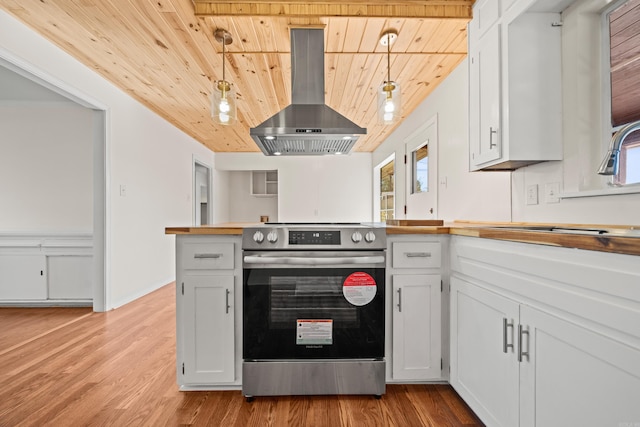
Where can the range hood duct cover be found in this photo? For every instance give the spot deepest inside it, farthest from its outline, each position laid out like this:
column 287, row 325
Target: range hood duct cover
column 307, row 126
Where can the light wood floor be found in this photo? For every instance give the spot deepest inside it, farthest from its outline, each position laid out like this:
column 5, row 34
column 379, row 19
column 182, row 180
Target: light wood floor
column 73, row 367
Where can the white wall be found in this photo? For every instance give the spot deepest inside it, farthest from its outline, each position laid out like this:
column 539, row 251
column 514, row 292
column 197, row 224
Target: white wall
column 46, row 168
column 313, row 188
column 243, row 207
column 153, row 159
column 482, row 196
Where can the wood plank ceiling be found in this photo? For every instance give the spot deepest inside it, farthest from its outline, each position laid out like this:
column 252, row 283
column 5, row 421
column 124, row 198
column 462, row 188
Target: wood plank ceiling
column 163, row 53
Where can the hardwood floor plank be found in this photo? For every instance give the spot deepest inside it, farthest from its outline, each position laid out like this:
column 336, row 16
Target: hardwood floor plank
column 72, row 368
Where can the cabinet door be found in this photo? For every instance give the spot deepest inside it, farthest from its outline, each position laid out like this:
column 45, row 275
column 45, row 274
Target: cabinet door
column 484, row 98
column 575, row 376
column 416, row 327
column 23, row 277
column 484, row 367
column 208, row 328
column 70, row 277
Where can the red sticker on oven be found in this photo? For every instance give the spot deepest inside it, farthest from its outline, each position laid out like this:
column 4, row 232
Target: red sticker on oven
column 359, row 288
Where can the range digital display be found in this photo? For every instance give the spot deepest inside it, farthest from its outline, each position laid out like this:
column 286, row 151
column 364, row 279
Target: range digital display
column 314, row 237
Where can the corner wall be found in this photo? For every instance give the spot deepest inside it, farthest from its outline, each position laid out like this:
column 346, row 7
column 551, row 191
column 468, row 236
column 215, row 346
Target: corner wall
column 146, row 154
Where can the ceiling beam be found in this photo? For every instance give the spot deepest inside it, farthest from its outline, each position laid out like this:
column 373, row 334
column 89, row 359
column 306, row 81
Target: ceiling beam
column 443, row 9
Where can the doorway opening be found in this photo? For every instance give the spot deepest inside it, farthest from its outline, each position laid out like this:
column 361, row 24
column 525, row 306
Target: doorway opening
column 421, row 172
column 202, row 209
column 384, row 187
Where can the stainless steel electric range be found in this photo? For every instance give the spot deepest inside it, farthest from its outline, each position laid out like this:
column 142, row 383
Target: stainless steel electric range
column 313, row 308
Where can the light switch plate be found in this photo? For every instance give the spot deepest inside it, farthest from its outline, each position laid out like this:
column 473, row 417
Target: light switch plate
column 552, row 192
column 532, row 194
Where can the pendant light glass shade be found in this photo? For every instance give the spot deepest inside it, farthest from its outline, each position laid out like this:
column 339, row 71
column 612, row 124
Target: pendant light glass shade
column 389, row 102
column 223, row 103
column 223, row 96
column 389, row 99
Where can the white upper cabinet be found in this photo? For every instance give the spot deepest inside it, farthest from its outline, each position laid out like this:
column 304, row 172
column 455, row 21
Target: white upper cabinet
column 515, row 99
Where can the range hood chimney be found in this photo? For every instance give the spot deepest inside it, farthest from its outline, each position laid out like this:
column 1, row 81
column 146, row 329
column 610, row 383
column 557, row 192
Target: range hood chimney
column 307, row 126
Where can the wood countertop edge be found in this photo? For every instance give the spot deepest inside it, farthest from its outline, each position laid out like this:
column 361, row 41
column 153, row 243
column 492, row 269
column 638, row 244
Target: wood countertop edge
column 195, row 231
column 416, row 229
column 620, row 245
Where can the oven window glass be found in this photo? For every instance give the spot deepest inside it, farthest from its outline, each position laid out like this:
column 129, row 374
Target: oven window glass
column 276, row 300
column 309, row 297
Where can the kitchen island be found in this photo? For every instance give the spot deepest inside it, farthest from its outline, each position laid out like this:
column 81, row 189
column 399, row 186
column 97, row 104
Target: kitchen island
column 532, row 323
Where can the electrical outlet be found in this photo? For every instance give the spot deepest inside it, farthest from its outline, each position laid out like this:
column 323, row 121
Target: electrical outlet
column 123, row 190
column 532, row 194
column 552, row 192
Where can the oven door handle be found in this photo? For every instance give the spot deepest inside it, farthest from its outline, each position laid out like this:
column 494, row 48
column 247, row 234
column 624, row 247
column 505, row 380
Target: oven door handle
column 292, row 260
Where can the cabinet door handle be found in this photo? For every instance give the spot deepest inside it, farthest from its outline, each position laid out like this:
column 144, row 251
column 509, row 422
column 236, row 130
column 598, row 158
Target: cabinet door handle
column 492, row 132
column 521, row 352
column 200, row 256
column 400, row 300
column 417, row 254
column 227, row 301
column 505, row 335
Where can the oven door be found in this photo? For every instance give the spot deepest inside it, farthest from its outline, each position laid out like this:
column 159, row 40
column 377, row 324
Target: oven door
column 313, row 305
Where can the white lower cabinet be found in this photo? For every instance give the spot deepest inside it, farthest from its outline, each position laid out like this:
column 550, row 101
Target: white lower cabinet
column 574, row 376
column 484, row 367
column 414, row 308
column 70, row 277
column 39, row 270
column 416, row 327
column 208, row 328
column 23, row 277
column 208, row 312
column 538, row 338
column 516, row 365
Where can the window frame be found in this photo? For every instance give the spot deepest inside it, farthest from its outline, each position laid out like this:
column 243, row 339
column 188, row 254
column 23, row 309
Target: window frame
column 618, row 180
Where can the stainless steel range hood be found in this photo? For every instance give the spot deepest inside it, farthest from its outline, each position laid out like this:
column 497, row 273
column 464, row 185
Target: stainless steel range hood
column 307, row 126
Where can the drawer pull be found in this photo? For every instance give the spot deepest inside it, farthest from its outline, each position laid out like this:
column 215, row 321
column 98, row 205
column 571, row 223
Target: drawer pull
column 227, row 301
column 400, row 300
column 418, row 254
column 205, row 256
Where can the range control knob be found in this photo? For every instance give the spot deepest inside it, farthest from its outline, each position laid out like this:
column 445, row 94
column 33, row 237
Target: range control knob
column 356, row 237
column 370, row 237
column 272, row 237
column 258, row 237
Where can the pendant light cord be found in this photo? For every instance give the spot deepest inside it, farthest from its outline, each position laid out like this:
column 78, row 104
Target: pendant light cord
column 388, row 58
column 224, row 42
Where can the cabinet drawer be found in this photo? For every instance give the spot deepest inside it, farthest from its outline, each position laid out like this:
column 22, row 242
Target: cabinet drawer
column 415, row 255
column 206, row 256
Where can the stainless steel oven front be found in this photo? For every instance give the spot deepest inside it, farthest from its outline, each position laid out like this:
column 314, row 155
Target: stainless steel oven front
column 314, row 312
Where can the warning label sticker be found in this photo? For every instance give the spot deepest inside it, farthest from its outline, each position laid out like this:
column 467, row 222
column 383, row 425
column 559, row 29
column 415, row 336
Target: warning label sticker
column 359, row 288
column 314, row 331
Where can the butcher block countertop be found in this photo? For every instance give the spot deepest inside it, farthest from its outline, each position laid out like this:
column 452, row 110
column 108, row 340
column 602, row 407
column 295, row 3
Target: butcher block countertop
column 595, row 237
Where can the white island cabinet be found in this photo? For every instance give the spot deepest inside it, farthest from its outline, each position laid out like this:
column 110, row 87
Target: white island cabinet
column 414, row 307
column 208, row 296
column 544, row 336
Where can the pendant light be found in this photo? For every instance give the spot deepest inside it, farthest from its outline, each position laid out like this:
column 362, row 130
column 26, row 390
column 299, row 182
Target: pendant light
column 389, row 102
column 223, row 97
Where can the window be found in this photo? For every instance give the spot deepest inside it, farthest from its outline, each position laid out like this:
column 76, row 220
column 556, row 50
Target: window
column 622, row 21
column 420, row 170
column 387, row 191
